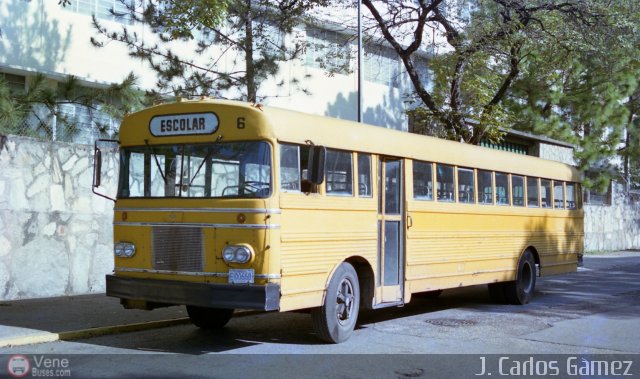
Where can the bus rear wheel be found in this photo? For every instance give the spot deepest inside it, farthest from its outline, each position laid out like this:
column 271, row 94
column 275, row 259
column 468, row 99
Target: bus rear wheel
column 335, row 320
column 209, row 318
column 520, row 291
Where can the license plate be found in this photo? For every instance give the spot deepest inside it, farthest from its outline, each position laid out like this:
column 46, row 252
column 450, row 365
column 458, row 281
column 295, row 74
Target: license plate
column 241, row 275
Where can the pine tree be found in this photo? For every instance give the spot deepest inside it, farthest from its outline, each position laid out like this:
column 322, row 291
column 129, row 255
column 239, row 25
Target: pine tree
column 246, row 32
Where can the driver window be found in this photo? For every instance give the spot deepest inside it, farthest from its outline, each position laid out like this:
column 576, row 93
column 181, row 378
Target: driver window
column 290, row 168
column 294, row 160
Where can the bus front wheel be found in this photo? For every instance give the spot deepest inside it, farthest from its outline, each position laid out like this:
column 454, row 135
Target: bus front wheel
column 209, row 318
column 335, row 320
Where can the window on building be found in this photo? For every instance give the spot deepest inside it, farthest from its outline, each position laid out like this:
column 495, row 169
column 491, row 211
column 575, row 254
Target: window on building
column 382, row 66
column 113, row 10
column 327, row 50
column 422, row 180
column 466, row 186
column 339, row 172
column 595, row 197
column 532, row 192
column 445, row 182
column 517, row 189
column 364, row 175
column 83, row 124
column 545, row 193
column 502, row 188
column 16, row 83
column 485, row 187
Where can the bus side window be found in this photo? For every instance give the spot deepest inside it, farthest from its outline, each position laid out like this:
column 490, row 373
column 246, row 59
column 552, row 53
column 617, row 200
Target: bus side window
column 290, row 167
column 445, row 182
column 339, row 172
column 364, row 175
column 545, row 193
column 485, row 187
column 532, row 192
column 558, row 194
column 422, row 180
column 517, row 189
column 502, row 188
column 466, row 187
column 571, row 196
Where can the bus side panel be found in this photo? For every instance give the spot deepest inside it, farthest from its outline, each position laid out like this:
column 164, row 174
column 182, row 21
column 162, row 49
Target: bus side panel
column 318, row 233
column 454, row 245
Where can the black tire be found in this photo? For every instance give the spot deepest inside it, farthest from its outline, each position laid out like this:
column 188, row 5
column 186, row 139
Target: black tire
column 209, row 318
column 335, row 320
column 520, row 291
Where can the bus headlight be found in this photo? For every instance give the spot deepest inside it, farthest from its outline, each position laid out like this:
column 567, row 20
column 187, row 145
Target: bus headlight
column 237, row 254
column 124, row 249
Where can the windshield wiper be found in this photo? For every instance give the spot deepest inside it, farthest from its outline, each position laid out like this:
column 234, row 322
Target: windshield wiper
column 155, row 157
column 206, row 158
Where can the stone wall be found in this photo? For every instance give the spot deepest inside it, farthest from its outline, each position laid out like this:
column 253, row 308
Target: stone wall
column 614, row 227
column 554, row 153
column 55, row 234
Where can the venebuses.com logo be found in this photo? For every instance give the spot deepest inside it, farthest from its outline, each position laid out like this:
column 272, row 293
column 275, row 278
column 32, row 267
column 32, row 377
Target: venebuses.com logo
column 18, row 366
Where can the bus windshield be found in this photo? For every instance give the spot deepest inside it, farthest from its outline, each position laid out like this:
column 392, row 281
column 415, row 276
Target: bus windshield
column 221, row 170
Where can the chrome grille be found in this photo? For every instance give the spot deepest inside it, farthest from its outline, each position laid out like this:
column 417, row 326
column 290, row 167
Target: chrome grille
column 177, row 249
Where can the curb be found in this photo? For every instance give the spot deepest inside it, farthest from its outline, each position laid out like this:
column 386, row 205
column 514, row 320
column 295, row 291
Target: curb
column 45, row 337
column 29, row 339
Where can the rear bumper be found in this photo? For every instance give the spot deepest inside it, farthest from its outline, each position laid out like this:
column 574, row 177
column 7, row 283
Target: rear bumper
column 236, row 296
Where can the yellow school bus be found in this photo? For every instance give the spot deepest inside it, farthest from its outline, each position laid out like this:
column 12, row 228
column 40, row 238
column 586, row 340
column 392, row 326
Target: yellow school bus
column 226, row 205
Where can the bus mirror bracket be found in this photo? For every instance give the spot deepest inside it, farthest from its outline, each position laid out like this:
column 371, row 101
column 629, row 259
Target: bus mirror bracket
column 97, row 167
column 316, row 164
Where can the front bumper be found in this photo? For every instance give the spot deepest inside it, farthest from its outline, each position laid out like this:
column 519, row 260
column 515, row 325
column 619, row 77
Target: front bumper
column 235, row 296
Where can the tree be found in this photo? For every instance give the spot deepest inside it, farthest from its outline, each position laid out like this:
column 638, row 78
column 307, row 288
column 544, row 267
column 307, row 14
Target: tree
column 482, row 58
column 584, row 89
column 30, row 111
column 567, row 69
column 245, row 35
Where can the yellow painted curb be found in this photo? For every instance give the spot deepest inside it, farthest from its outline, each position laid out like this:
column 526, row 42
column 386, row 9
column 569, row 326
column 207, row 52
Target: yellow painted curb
column 106, row 330
column 102, row 331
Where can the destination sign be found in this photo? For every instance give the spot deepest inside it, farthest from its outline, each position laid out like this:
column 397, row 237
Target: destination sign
column 183, row 124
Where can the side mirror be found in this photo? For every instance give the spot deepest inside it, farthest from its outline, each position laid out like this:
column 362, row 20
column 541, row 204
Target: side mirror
column 315, row 166
column 97, row 167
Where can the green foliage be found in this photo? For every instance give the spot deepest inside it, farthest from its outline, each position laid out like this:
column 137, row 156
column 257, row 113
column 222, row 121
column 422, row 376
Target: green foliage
column 579, row 89
column 565, row 69
column 234, row 46
column 43, row 97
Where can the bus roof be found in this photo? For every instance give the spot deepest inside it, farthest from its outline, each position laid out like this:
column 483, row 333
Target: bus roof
column 297, row 127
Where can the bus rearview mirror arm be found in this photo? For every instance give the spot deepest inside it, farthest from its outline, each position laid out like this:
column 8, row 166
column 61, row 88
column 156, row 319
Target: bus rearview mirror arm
column 97, row 168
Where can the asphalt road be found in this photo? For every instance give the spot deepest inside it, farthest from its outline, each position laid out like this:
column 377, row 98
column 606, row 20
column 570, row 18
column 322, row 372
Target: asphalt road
column 593, row 311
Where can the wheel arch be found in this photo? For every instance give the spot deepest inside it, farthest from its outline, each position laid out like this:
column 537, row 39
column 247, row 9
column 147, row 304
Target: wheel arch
column 536, row 257
column 365, row 279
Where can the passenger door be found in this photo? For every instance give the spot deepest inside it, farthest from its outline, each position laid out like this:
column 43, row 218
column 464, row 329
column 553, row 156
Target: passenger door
column 391, row 233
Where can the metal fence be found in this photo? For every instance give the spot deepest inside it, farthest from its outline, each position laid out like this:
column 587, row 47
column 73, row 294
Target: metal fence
column 71, row 123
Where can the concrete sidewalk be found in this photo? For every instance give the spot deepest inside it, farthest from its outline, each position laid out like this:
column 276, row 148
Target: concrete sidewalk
column 24, row 322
